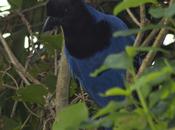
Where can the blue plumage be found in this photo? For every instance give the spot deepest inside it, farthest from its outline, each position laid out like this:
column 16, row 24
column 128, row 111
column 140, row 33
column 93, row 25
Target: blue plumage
column 88, row 41
column 82, row 68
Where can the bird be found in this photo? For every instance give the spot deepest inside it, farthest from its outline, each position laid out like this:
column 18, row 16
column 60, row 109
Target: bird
column 89, row 39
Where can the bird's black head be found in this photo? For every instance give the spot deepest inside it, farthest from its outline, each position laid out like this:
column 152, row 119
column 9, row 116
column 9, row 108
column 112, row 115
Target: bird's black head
column 62, row 8
column 62, row 12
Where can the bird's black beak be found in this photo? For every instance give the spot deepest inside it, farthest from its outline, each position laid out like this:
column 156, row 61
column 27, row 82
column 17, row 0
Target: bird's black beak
column 50, row 24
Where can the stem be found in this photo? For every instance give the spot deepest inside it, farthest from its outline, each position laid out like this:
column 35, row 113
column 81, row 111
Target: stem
column 150, row 56
column 133, row 17
column 18, row 66
column 146, row 110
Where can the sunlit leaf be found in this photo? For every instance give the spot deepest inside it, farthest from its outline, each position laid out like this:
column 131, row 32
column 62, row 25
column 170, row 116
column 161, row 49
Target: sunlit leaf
column 125, row 4
column 145, row 82
column 115, row 61
column 108, row 109
column 116, row 91
column 71, row 117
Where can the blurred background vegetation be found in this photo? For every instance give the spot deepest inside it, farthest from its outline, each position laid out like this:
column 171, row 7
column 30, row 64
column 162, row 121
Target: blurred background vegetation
column 29, row 67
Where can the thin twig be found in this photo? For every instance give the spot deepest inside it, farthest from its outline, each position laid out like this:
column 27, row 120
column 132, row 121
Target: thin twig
column 10, row 76
column 25, row 122
column 26, row 10
column 150, row 56
column 27, row 24
column 151, row 36
column 19, row 68
column 45, row 123
column 30, row 111
column 14, row 109
column 133, row 17
column 158, row 41
column 9, row 86
column 142, row 21
column 138, row 39
column 31, row 37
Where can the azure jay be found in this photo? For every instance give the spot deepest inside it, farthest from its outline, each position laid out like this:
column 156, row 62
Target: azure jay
column 88, row 41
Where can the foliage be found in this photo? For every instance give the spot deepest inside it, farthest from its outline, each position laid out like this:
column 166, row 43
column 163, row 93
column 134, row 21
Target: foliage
column 27, row 102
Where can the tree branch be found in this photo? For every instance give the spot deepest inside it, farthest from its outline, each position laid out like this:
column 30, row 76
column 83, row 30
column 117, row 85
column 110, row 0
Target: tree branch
column 18, row 66
column 140, row 35
column 133, row 17
column 150, row 56
column 157, row 43
column 63, row 81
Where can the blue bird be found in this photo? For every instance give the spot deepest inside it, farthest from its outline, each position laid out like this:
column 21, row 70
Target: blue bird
column 88, row 41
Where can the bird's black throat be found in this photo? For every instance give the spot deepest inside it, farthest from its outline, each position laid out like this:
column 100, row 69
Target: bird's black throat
column 84, row 36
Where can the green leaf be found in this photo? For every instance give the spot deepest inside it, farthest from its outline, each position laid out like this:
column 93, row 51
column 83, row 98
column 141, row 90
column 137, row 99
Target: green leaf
column 40, row 67
column 132, row 51
column 71, row 117
column 167, row 89
column 15, row 4
column 130, row 121
column 154, row 98
column 153, row 78
column 50, row 82
column 111, row 107
column 118, row 61
column 171, row 110
column 10, row 124
column 131, row 3
column 105, row 121
column 161, row 125
column 135, row 31
column 115, row 61
column 165, row 12
column 116, row 91
column 73, row 87
column 160, row 108
column 32, row 93
column 51, row 42
column 146, row 81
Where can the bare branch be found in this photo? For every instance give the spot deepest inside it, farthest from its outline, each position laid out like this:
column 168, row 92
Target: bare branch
column 133, row 17
column 157, row 43
column 18, row 66
column 150, row 56
column 63, row 80
column 26, row 10
column 140, row 35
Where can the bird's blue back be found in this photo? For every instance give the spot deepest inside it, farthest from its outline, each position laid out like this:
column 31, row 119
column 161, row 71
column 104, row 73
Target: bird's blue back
column 81, row 68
